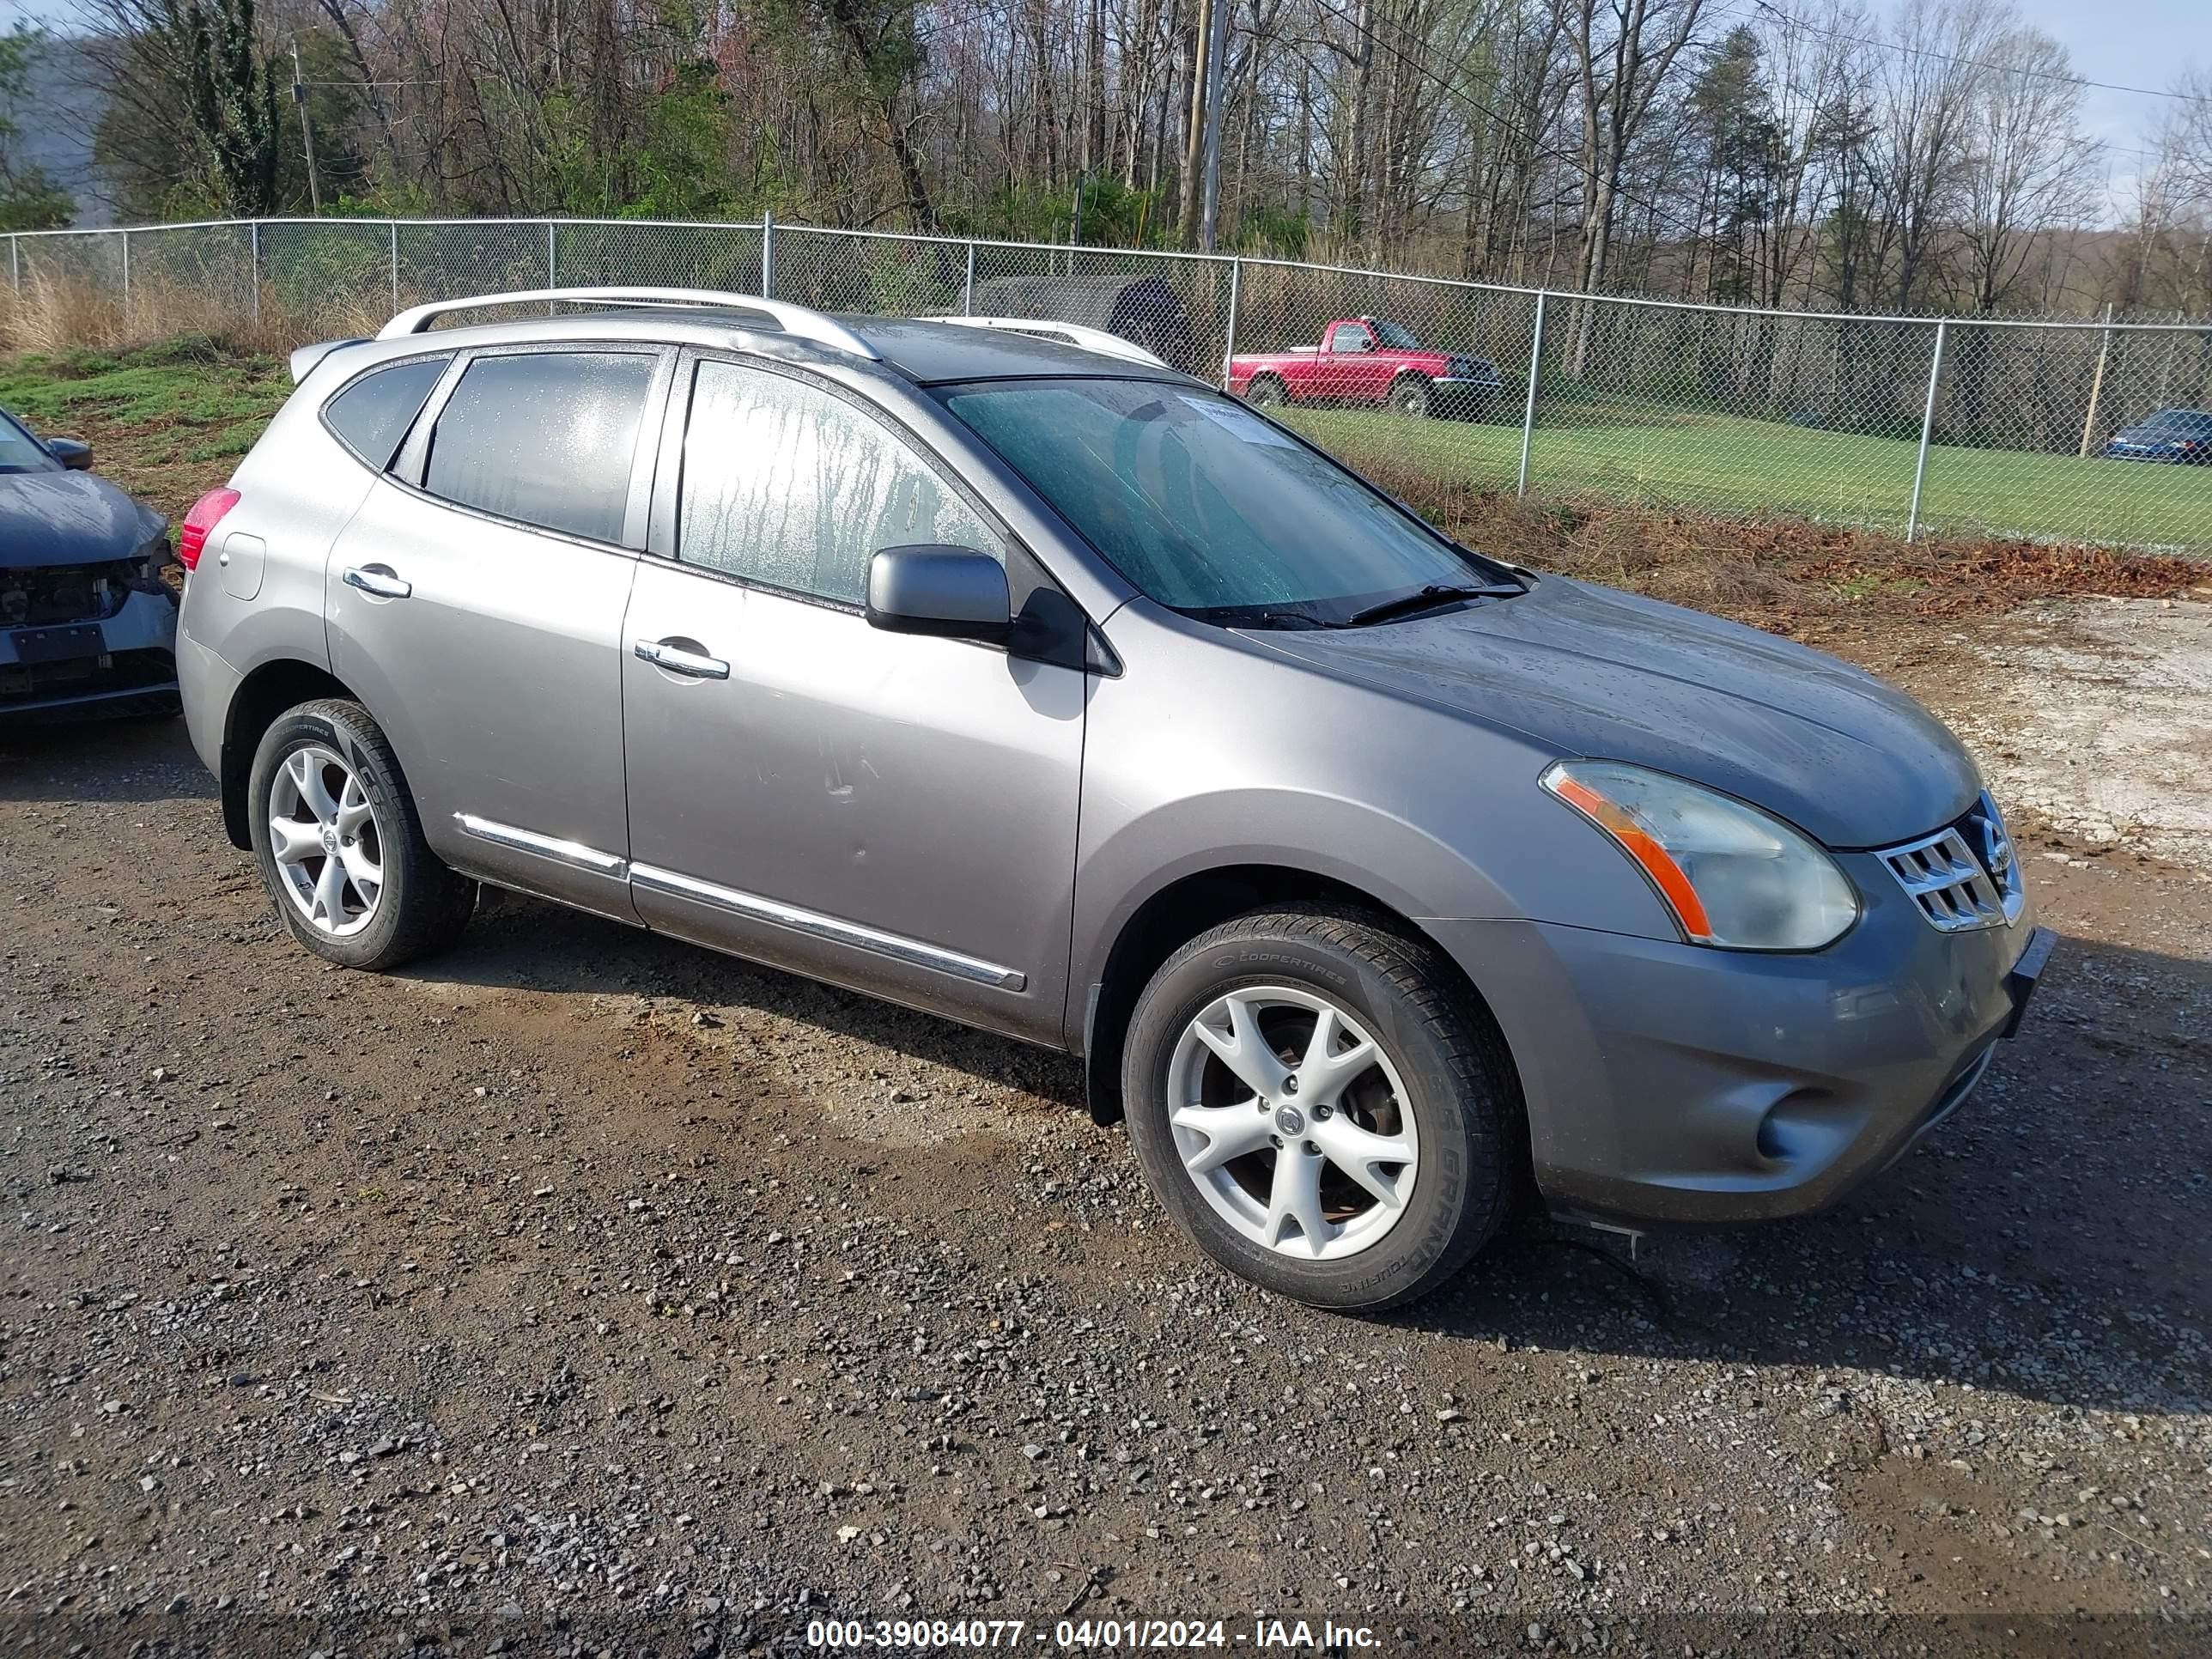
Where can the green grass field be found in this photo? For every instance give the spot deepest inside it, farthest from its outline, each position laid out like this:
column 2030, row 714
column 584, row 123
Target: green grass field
column 1717, row 464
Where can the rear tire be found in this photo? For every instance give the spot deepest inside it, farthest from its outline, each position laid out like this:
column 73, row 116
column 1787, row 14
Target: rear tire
column 339, row 844
column 1413, row 1141
column 1266, row 392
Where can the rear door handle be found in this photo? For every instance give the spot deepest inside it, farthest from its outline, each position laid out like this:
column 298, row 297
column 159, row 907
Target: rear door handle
column 676, row 661
column 378, row 580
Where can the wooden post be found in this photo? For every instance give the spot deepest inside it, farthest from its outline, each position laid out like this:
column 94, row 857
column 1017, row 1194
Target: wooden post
column 2097, row 385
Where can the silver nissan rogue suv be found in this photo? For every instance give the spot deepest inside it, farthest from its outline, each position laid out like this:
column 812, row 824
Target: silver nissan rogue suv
column 1376, row 882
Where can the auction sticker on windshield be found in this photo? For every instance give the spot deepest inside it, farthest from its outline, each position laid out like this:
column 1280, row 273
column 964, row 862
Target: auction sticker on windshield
column 1242, row 421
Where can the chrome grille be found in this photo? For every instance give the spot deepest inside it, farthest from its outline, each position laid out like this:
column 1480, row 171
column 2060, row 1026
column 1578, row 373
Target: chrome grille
column 1966, row 875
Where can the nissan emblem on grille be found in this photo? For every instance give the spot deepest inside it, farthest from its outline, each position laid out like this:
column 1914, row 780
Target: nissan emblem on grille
column 1963, row 877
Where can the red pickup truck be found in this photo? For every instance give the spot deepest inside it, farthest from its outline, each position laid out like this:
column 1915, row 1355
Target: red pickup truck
column 1373, row 362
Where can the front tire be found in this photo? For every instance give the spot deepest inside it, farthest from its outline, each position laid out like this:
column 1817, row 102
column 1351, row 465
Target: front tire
column 1323, row 1108
column 339, row 844
column 1413, row 396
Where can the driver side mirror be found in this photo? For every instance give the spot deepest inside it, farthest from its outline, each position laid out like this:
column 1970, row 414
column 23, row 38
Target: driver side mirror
column 952, row 593
column 73, row 453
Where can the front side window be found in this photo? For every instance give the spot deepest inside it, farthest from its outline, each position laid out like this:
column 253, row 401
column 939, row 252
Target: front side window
column 372, row 415
column 1205, row 507
column 1352, row 337
column 547, row 438
column 786, row 485
column 21, row 453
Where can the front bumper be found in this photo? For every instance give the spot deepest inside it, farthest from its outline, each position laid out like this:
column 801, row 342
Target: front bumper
column 1455, row 392
column 82, row 667
column 1671, row 1084
column 2161, row 454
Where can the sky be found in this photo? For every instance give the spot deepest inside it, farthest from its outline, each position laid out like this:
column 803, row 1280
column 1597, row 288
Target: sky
column 2146, row 44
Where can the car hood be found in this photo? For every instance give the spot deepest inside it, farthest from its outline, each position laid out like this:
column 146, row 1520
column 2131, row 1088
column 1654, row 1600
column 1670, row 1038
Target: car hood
column 1592, row 671
column 67, row 517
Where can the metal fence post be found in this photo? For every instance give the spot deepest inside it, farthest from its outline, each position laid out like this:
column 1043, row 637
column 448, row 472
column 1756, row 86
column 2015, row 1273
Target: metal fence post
column 768, row 254
column 16, row 263
column 552, row 256
column 1528, row 408
column 395, row 266
column 253, row 269
column 125, row 236
column 968, row 289
column 1926, row 425
column 1229, row 347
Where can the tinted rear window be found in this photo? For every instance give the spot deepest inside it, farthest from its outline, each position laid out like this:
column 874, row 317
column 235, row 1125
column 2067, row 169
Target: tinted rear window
column 543, row 437
column 372, row 415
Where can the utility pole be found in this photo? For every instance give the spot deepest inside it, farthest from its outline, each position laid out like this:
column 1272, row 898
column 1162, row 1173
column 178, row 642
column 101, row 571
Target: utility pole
column 1217, row 83
column 306, row 133
column 1194, row 151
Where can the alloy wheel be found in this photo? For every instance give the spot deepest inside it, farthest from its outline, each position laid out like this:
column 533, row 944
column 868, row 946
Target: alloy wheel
column 325, row 840
column 1292, row 1123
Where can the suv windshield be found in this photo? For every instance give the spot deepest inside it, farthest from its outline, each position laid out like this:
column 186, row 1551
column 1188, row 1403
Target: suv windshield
column 2186, row 423
column 1209, row 509
column 21, row 453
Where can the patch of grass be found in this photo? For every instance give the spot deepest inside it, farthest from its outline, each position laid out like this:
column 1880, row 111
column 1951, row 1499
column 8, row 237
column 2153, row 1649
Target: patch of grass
column 173, row 384
column 236, row 441
column 1766, row 470
column 161, row 419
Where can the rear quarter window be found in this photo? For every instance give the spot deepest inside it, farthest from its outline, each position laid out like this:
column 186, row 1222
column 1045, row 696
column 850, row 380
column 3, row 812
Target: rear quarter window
column 371, row 415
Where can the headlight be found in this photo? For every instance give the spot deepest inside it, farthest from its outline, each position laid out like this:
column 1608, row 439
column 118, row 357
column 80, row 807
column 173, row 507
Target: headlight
column 1733, row 876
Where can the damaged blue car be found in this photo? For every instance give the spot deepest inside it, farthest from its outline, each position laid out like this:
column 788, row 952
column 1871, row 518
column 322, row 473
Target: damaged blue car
column 88, row 616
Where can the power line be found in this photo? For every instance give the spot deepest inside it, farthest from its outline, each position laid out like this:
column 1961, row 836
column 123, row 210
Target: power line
column 1789, row 22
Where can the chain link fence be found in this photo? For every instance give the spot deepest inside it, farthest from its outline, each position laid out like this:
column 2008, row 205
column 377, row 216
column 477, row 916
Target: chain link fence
column 2097, row 432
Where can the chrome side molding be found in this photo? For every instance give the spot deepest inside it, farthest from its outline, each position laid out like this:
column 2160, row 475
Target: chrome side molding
column 896, row 946
column 573, row 853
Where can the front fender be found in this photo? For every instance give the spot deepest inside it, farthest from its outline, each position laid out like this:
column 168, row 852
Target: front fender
column 1209, row 752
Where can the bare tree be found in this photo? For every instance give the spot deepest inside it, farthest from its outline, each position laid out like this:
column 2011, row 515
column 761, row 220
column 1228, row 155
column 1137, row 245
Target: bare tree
column 2028, row 167
column 1625, row 52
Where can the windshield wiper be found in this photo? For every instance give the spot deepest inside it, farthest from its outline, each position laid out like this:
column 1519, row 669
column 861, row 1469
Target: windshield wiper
column 1260, row 616
column 1428, row 599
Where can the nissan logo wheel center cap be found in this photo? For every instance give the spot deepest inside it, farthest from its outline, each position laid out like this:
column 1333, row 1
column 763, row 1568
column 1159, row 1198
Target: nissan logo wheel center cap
column 1289, row 1121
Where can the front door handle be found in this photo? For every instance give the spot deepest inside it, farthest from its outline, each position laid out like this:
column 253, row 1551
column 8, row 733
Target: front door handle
column 378, row 580
column 677, row 659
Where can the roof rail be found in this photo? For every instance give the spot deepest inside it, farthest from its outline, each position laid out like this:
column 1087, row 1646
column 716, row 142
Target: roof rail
column 800, row 321
column 1075, row 334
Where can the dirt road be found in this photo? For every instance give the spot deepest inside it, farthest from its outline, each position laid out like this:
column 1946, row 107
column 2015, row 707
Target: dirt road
column 584, row 1276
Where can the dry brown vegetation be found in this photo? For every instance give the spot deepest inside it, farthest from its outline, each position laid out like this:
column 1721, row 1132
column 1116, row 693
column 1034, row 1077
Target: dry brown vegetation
column 51, row 316
column 1807, row 581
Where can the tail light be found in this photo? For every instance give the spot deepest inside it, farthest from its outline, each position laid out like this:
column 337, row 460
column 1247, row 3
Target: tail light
column 206, row 514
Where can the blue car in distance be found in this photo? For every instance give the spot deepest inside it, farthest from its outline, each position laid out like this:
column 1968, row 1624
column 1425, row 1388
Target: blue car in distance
column 2181, row 437
column 87, row 623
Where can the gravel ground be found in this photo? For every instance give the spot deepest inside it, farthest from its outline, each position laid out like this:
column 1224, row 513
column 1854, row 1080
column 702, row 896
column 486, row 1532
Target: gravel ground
column 580, row 1288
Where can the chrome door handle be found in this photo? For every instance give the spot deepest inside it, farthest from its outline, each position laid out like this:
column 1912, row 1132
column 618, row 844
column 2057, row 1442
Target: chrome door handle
column 676, row 661
column 377, row 580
